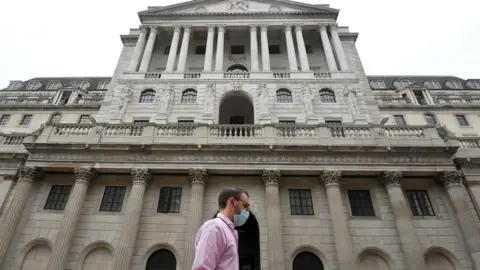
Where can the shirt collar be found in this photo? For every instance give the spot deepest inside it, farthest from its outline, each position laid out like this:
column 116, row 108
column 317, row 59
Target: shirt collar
column 226, row 219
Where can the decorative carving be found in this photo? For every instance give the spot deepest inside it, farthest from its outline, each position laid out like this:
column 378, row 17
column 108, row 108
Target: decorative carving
column 124, row 96
column 263, row 99
column 352, row 102
column 264, row 27
column 83, row 175
column 331, row 179
column 209, row 104
column 307, row 98
column 253, row 27
column 392, row 178
column 140, row 176
column 452, row 179
column 166, row 99
column 29, row 174
column 238, row 5
column 237, row 86
column 198, row 176
column 271, row 178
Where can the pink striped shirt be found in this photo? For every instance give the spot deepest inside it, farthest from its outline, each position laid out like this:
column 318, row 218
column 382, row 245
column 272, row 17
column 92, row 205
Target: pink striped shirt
column 216, row 245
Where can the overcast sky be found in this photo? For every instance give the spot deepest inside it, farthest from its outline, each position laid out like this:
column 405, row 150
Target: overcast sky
column 81, row 38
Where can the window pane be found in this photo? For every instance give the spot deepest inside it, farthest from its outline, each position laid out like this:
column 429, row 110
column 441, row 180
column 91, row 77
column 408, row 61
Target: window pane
column 112, row 200
column 360, row 203
column 420, row 204
column 301, row 202
column 399, row 120
column 189, row 96
column 327, row 96
column 284, row 96
column 170, row 200
column 57, row 198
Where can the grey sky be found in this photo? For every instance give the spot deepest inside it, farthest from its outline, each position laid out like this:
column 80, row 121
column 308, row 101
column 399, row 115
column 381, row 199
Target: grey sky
column 81, row 38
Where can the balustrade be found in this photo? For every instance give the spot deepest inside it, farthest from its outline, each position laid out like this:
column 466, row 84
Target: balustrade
column 469, row 143
column 236, row 75
column 322, row 75
column 175, row 131
column 239, row 131
column 11, row 139
column 192, row 75
column 404, row 132
column 72, row 129
column 153, row 75
column 281, row 75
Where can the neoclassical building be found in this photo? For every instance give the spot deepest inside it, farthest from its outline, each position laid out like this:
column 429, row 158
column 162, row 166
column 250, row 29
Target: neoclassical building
column 344, row 170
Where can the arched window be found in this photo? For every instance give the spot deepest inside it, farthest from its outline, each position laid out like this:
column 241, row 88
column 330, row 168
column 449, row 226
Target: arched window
column 237, row 68
column 284, row 96
column 148, row 96
column 430, row 118
column 307, row 261
column 56, row 118
column 327, row 96
column 189, row 96
column 162, row 259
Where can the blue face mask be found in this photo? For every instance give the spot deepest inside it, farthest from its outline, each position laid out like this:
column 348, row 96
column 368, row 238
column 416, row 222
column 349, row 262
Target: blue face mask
column 240, row 219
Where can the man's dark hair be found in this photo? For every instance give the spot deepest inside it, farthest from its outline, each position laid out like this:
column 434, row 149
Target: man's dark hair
column 227, row 194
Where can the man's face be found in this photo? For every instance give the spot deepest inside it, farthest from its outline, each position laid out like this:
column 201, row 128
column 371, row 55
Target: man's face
column 242, row 203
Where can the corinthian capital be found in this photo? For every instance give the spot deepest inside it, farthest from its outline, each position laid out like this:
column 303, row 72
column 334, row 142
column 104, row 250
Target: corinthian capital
column 83, row 175
column 452, row 179
column 140, row 176
column 29, row 174
column 198, row 176
column 331, row 179
column 392, row 178
column 271, row 177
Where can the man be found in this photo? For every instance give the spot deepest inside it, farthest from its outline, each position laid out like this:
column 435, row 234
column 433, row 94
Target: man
column 216, row 245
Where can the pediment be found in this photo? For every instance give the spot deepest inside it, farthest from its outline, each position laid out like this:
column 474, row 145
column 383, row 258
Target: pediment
column 237, row 6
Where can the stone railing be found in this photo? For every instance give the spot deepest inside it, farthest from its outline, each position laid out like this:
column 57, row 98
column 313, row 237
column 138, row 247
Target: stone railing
column 192, row 75
column 319, row 75
column 12, row 139
column 469, row 143
column 24, row 101
column 153, row 75
column 281, row 75
column 236, row 75
column 391, row 100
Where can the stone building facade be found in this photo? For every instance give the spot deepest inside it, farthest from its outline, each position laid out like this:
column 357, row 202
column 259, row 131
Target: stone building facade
column 344, row 171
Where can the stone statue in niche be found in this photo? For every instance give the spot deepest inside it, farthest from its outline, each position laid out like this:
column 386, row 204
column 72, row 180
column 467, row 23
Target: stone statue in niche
column 238, row 5
column 166, row 99
column 123, row 100
column 209, row 100
column 307, row 98
column 263, row 99
column 352, row 103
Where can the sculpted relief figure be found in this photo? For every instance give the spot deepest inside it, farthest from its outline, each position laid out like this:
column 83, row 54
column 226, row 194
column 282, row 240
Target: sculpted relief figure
column 238, row 5
column 351, row 95
column 123, row 100
column 166, row 100
column 263, row 98
column 307, row 98
column 209, row 100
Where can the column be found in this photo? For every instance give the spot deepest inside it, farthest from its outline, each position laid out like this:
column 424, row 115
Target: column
column 198, row 178
column 265, row 51
column 471, row 232
column 64, row 238
column 254, row 48
column 147, row 54
column 302, row 51
column 172, row 55
column 403, row 218
column 292, row 57
column 341, row 232
column 332, row 66
column 207, row 66
column 220, row 49
column 137, row 53
column 12, row 214
column 182, row 59
column 342, row 60
column 271, row 179
column 128, row 235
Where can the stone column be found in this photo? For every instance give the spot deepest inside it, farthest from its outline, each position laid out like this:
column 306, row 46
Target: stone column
column 207, row 66
column 172, row 55
column 342, row 60
column 147, row 55
column 292, row 57
column 65, row 234
column 131, row 220
column 254, row 48
column 471, row 231
column 12, row 214
column 302, row 51
column 137, row 53
column 412, row 247
column 271, row 179
column 265, row 51
column 341, row 232
column 220, row 49
column 182, row 59
column 332, row 65
column 198, row 178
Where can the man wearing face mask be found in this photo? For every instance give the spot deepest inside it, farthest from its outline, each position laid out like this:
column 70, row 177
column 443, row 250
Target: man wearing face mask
column 216, row 244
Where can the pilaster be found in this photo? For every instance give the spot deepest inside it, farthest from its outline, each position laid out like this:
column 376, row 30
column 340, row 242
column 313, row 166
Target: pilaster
column 254, row 48
column 172, row 55
column 342, row 60
column 332, row 65
column 265, row 50
column 220, row 48
column 207, row 66
column 302, row 51
column 147, row 55
column 182, row 59
column 137, row 53
column 292, row 58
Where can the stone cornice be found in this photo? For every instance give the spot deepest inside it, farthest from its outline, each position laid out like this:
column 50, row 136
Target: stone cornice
column 28, row 107
column 240, row 14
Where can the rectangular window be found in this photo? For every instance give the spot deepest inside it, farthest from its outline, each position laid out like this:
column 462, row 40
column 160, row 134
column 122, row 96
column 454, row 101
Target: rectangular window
column 53, row 85
column 287, row 122
column 456, row 85
column 308, row 48
column 4, row 120
column 462, row 120
column 27, row 119
column 476, row 84
column 34, row 86
column 139, row 122
column 103, row 85
column 112, row 200
column 185, row 121
column 237, row 49
column 200, row 49
column 361, row 203
column 170, row 199
column 420, row 97
column 274, row 49
column 64, row 98
column 419, row 203
column 57, row 198
column 333, row 122
column 301, row 202
column 379, row 84
column 84, row 119
column 399, row 120
column 14, row 86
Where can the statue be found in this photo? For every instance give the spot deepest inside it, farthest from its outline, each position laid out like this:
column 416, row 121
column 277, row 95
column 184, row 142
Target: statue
column 166, row 99
column 351, row 95
column 307, row 98
column 209, row 100
column 263, row 98
column 124, row 99
column 238, row 5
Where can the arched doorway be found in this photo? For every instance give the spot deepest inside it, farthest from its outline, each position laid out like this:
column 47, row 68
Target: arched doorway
column 237, row 69
column 307, row 261
column 236, row 108
column 162, row 259
column 249, row 244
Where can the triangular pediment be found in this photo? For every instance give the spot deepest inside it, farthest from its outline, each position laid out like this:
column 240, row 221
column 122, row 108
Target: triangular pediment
column 237, row 6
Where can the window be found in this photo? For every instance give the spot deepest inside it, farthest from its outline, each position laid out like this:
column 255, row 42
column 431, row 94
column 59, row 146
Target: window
column 378, row 84
column 327, row 96
column 64, row 98
column 84, row 119
column 399, row 120
column 189, row 96
column 81, row 84
column 274, row 49
column 26, row 120
column 432, row 84
column 404, row 83
column 237, row 49
column 456, row 84
column 112, row 200
column 34, row 86
column 361, row 203
column 237, row 69
column 476, row 84
column 103, row 85
column 185, row 122
column 462, row 120
column 431, row 121
column 284, row 96
column 333, row 122
column 57, row 198
column 56, row 118
column 170, row 198
column 14, row 85
column 4, row 119
column 148, row 96
column 420, row 97
column 167, row 50
column 301, row 202
column 308, row 48
column 200, row 49
column 54, row 85
column 140, row 122
column 287, row 122
column 419, row 203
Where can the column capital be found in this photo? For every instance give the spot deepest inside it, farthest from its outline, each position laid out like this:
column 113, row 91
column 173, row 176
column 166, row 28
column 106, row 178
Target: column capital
column 452, row 179
column 153, row 29
column 83, row 174
column 298, row 27
column 271, row 177
column 253, row 27
column 333, row 26
column 177, row 28
column 187, row 28
column 331, row 179
column 29, row 173
column 140, row 176
column 322, row 27
column 143, row 29
column 221, row 27
column 198, row 176
column 264, row 27
column 288, row 27
column 211, row 27
column 392, row 178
